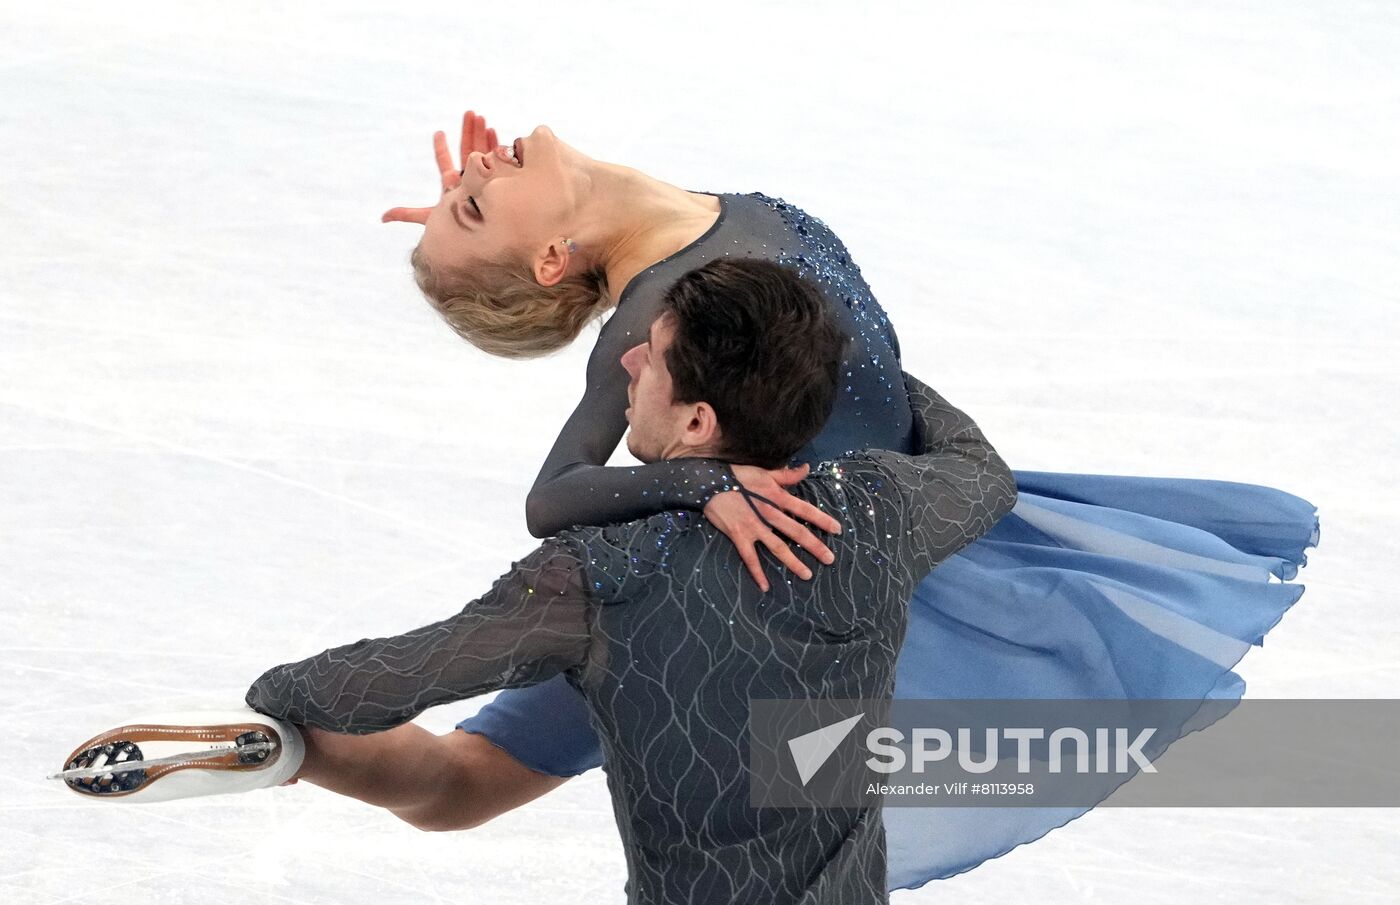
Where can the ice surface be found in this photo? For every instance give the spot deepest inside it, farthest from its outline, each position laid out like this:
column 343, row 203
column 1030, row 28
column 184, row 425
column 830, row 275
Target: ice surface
column 1130, row 237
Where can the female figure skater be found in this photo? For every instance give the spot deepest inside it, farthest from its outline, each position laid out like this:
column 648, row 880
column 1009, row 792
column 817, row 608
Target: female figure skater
column 1093, row 587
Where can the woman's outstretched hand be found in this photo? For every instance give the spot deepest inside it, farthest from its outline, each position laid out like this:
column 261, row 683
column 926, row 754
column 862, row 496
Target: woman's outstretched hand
column 731, row 513
column 475, row 137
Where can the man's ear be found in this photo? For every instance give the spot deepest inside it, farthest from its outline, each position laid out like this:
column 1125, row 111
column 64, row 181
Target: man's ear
column 702, row 430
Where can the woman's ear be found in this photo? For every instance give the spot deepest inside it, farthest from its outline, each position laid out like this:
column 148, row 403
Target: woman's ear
column 553, row 262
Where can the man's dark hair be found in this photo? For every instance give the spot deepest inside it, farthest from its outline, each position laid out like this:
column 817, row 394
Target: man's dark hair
column 757, row 342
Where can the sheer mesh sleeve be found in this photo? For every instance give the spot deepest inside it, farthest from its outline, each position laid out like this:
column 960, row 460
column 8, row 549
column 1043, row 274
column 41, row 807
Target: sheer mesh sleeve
column 956, row 486
column 575, row 487
column 531, row 625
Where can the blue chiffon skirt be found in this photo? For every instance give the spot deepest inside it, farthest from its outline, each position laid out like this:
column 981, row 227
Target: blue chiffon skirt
column 1093, row 586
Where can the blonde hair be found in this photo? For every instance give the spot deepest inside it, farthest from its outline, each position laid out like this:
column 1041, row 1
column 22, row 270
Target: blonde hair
column 500, row 309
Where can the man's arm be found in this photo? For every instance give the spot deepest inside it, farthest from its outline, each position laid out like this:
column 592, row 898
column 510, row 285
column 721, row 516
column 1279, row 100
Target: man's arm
column 955, row 488
column 531, row 625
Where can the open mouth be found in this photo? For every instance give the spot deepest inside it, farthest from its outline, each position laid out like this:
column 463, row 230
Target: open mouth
column 513, row 153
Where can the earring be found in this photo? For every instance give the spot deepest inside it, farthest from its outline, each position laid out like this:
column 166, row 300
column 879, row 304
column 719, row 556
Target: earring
column 571, row 245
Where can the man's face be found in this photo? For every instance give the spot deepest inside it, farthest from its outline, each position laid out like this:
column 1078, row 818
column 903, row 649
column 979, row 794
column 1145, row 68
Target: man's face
column 661, row 428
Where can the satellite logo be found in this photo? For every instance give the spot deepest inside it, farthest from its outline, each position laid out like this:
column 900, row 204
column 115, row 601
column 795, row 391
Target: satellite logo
column 811, row 750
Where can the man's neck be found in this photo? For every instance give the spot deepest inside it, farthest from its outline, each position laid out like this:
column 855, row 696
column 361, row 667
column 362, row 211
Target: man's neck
column 682, row 451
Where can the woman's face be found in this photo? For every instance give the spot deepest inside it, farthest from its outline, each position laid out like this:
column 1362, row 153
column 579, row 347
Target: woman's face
column 504, row 210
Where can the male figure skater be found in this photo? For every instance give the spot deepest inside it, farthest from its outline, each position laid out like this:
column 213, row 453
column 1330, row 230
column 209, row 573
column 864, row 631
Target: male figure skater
column 656, row 622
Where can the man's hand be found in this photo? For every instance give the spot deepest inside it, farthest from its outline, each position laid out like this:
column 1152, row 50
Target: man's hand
column 732, row 514
column 475, row 137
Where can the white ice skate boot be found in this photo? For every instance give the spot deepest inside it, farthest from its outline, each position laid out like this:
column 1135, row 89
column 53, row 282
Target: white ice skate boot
column 183, row 755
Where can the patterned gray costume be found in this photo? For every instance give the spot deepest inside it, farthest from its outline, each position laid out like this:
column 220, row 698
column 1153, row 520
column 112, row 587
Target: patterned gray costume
column 658, row 625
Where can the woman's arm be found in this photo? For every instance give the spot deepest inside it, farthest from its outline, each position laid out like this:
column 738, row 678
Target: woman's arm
column 575, row 487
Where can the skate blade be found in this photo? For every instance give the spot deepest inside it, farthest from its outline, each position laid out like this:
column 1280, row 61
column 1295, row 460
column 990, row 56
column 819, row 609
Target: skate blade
column 238, row 747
